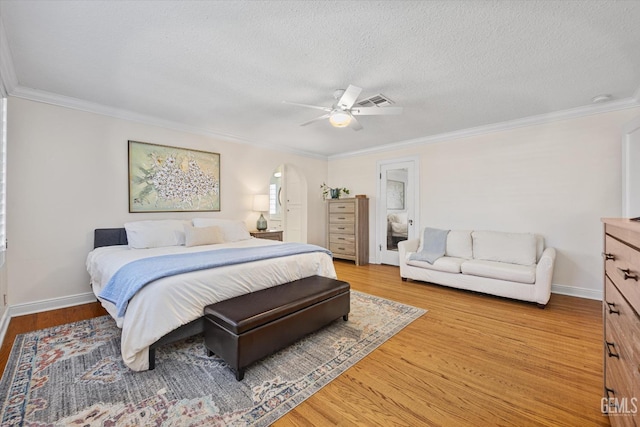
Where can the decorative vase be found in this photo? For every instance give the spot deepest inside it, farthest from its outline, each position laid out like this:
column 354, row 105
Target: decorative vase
column 335, row 193
column 261, row 225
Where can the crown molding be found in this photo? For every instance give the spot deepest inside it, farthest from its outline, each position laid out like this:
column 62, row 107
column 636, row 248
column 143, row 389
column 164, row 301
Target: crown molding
column 91, row 107
column 78, row 104
column 498, row 127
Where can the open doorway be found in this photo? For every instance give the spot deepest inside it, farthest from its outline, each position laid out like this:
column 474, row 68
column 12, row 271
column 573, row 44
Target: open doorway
column 288, row 203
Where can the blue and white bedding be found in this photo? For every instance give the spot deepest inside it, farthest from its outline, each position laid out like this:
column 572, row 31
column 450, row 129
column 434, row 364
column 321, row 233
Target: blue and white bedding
column 170, row 302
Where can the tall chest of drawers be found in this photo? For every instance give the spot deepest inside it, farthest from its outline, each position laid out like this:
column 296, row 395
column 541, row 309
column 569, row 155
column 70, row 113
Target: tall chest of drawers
column 348, row 229
column 621, row 315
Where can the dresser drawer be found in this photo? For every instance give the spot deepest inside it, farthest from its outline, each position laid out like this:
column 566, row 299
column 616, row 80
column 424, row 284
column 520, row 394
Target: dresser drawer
column 619, row 392
column 342, row 248
column 622, row 343
column 342, row 228
column 342, row 218
column 344, row 207
column 631, row 237
column 342, row 238
column 624, row 270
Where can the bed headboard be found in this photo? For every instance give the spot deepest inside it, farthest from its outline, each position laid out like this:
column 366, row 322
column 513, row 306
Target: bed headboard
column 109, row 237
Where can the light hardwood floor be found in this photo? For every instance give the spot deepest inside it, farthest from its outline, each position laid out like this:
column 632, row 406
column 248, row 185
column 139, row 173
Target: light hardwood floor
column 471, row 360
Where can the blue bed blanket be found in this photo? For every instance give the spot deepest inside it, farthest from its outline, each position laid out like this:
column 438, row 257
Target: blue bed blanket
column 132, row 277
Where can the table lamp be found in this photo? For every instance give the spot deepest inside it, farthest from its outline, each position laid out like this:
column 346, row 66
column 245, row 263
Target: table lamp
column 261, row 204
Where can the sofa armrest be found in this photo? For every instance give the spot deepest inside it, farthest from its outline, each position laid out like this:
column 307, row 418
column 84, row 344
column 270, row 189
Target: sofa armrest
column 404, row 247
column 544, row 275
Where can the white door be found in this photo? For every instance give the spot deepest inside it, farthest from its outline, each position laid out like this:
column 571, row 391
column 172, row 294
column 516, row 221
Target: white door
column 295, row 200
column 397, row 207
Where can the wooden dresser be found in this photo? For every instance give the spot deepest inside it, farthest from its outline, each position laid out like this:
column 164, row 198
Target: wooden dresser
column 348, row 229
column 621, row 311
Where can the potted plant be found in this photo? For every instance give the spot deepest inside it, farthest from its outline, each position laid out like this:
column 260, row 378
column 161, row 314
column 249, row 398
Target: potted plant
column 332, row 193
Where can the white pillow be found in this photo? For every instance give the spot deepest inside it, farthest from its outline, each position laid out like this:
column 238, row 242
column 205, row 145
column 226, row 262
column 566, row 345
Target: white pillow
column 155, row 233
column 232, row 230
column 421, row 245
column 459, row 244
column 513, row 248
column 197, row 236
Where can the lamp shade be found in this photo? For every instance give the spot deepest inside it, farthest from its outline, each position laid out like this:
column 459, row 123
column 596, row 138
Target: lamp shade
column 261, row 203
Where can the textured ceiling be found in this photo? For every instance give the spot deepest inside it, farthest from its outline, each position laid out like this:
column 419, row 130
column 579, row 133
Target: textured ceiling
column 224, row 67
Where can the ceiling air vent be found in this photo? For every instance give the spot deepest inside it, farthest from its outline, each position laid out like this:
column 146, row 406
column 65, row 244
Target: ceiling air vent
column 378, row 100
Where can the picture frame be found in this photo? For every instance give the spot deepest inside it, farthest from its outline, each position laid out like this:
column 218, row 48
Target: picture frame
column 172, row 179
column 395, row 194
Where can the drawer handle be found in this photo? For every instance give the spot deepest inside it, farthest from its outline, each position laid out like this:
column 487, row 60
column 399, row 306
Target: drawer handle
column 608, row 256
column 340, row 238
column 609, row 352
column 627, row 274
column 341, row 218
column 610, row 392
column 340, row 228
column 612, row 306
column 341, row 207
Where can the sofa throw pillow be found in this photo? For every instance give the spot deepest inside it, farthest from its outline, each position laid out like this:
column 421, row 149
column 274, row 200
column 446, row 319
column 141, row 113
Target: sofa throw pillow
column 155, row 233
column 434, row 244
column 198, row 236
column 513, row 248
column 459, row 244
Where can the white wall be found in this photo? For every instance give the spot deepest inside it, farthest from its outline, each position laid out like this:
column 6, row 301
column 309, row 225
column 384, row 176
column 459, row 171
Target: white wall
column 67, row 174
column 556, row 179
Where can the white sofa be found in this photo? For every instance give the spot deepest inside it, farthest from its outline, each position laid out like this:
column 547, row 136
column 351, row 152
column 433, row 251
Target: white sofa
column 511, row 265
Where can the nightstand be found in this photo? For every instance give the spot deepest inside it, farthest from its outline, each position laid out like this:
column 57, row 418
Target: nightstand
column 268, row 234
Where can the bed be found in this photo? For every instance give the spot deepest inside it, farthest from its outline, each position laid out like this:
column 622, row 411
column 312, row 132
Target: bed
column 171, row 308
column 397, row 228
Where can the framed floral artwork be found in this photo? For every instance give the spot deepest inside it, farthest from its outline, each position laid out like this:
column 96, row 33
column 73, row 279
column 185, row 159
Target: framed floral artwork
column 172, row 179
column 395, row 194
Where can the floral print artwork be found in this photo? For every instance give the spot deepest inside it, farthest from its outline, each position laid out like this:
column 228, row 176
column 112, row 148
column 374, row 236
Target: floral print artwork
column 171, row 179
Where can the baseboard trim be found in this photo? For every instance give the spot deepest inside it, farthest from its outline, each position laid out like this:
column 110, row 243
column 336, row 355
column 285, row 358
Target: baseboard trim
column 51, row 304
column 39, row 306
column 4, row 324
column 576, row 292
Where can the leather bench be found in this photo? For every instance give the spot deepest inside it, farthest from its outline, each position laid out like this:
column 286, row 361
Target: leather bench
column 244, row 329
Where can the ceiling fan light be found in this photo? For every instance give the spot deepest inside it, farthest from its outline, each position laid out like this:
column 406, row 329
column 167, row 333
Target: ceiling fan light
column 340, row 119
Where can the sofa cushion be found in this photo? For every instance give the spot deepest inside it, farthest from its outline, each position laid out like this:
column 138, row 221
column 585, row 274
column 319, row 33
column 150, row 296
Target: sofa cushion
column 446, row 263
column 513, row 248
column 500, row 270
column 459, row 244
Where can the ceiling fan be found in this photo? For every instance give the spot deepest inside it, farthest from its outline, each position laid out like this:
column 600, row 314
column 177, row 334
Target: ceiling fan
column 341, row 114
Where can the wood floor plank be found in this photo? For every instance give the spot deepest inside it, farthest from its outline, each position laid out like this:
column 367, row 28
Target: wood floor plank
column 472, row 360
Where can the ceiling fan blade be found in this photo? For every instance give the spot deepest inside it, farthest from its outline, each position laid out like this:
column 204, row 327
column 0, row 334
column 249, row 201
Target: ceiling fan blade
column 375, row 111
column 324, row 116
column 317, row 107
column 355, row 125
column 349, row 97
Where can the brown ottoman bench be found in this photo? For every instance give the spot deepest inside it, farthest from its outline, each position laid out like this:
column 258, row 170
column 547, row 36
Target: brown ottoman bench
column 244, row 329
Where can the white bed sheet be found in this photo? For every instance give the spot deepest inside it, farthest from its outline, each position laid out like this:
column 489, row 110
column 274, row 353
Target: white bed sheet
column 170, row 302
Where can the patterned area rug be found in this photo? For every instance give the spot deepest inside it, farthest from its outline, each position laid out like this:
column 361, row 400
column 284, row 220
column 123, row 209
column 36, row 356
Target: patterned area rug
column 73, row 374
